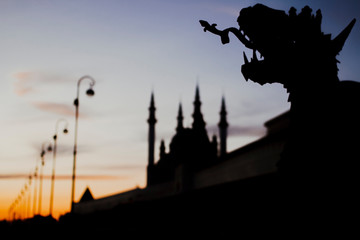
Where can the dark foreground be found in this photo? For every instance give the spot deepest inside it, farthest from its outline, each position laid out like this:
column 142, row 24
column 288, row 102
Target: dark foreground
column 259, row 209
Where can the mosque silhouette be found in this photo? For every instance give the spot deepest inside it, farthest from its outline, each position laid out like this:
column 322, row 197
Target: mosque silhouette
column 195, row 179
column 190, row 148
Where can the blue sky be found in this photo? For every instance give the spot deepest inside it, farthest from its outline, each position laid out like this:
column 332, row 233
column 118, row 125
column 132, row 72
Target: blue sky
column 130, row 48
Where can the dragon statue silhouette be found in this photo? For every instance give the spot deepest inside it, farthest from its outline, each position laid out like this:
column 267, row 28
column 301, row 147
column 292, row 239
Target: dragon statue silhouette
column 322, row 151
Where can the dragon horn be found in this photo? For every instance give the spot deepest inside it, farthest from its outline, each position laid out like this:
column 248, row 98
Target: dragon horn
column 339, row 41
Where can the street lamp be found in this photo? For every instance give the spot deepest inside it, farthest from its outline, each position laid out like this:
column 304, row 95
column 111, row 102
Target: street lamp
column 43, row 151
column 29, row 197
column 90, row 92
column 22, row 204
column 35, row 189
column 25, row 200
column 65, row 131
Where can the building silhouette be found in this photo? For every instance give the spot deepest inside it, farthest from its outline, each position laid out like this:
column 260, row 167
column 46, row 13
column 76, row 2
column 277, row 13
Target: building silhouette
column 196, row 178
column 193, row 162
column 190, row 149
column 87, row 196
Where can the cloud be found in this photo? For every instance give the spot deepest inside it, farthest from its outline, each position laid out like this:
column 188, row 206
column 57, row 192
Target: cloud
column 88, row 177
column 121, row 167
column 58, row 108
column 235, row 130
column 246, row 131
column 23, row 84
column 27, row 81
column 64, row 177
column 13, row 176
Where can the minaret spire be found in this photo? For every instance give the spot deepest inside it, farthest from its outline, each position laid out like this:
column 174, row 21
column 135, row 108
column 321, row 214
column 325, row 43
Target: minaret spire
column 199, row 123
column 152, row 121
column 162, row 149
column 180, row 119
column 223, row 125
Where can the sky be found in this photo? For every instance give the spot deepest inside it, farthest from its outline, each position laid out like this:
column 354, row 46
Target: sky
column 131, row 48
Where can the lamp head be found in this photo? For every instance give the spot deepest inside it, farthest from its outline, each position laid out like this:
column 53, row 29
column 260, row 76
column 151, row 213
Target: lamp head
column 90, row 92
column 49, row 148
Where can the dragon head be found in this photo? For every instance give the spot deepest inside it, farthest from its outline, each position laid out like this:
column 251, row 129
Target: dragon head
column 292, row 47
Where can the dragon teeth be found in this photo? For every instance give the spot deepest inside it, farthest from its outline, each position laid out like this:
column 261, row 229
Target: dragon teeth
column 245, row 59
column 254, row 56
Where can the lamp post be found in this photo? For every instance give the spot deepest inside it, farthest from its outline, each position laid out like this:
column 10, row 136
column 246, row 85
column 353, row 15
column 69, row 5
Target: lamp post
column 90, row 92
column 22, row 204
column 25, row 200
column 35, row 189
column 65, row 131
column 29, row 197
column 43, row 151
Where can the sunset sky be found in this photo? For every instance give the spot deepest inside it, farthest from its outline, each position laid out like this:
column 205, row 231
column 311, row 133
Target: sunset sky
column 131, row 48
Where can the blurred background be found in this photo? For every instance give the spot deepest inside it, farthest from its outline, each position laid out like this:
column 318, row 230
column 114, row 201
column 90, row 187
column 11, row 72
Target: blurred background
column 131, row 49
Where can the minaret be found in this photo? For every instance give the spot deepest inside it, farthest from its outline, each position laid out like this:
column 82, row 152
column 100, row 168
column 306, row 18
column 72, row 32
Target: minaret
column 162, row 149
column 180, row 119
column 223, row 125
column 152, row 122
column 199, row 123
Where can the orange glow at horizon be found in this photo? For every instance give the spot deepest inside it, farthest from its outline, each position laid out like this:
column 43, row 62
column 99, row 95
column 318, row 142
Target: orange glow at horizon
column 100, row 186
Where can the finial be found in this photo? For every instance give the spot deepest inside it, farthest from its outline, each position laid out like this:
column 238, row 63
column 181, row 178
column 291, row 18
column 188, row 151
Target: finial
column 180, row 119
column 162, row 148
column 223, row 122
column 152, row 108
